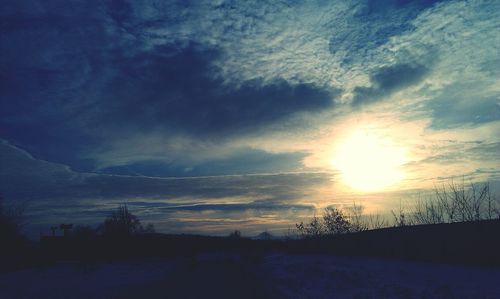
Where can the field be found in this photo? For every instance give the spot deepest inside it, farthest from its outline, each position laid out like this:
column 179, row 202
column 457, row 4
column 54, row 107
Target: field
column 459, row 260
column 229, row 275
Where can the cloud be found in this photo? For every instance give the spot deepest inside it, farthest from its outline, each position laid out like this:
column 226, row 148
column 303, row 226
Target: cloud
column 255, row 205
column 105, row 78
column 469, row 102
column 41, row 180
column 203, row 88
column 173, row 87
column 370, row 25
column 387, row 80
column 54, row 191
column 463, row 87
column 246, row 161
column 23, row 177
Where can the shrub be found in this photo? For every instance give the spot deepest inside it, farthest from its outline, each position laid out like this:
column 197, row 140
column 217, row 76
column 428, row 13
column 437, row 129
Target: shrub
column 333, row 222
column 359, row 222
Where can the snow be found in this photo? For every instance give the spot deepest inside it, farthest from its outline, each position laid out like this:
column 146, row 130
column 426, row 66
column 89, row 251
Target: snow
column 77, row 280
column 359, row 277
column 231, row 275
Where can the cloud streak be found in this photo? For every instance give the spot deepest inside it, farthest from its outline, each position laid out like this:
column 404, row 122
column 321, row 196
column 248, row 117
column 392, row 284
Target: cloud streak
column 53, row 191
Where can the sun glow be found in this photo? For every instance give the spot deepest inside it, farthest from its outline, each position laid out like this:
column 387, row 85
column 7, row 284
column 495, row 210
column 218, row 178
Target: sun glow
column 368, row 162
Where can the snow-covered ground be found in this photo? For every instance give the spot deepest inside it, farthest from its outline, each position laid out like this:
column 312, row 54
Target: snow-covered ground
column 76, row 280
column 348, row 277
column 232, row 276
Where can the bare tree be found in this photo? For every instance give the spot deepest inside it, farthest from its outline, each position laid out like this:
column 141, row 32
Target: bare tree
column 236, row 234
column 314, row 228
column 428, row 212
column 377, row 221
column 466, row 203
column 496, row 209
column 400, row 217
column 122, row 222
column 335, row 222
column 452, row 202
column 448, row 204
column 456, row 202
column 357, row 221
column 10, row 220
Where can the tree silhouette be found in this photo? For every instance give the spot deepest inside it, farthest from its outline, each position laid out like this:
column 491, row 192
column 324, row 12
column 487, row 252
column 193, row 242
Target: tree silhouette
column 122, row 223
column 235, row 234
column 9, row 221
column 335, row 222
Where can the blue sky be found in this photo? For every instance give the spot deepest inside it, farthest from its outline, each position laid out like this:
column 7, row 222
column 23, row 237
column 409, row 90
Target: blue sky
column 239, row 107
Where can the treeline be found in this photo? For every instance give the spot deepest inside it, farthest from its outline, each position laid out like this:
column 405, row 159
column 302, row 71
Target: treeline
column 120, row 223
column 451, row 203
column 10, row 222
column 17, row 251
column 459, row 224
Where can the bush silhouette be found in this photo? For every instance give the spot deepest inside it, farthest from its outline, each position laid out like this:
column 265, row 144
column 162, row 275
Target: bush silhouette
column 333, row 222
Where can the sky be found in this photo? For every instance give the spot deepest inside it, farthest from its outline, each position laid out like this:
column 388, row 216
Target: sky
column 210, row 116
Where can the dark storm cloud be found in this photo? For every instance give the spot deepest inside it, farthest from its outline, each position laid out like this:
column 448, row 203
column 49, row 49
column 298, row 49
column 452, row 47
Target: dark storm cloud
column 74, row 76
column 173, row 87
column 387, row 80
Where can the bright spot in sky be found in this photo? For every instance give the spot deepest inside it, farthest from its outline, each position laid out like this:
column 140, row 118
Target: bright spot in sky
column 368, row 162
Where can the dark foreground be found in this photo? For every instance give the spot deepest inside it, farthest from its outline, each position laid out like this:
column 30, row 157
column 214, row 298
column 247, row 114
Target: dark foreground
column 460, row 260
column 234, row 276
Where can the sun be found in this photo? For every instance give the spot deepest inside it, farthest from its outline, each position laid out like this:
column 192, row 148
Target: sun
column 368, row 162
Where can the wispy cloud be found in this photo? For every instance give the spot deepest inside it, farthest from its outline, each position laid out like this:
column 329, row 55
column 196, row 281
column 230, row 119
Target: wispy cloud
column 53, row 191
